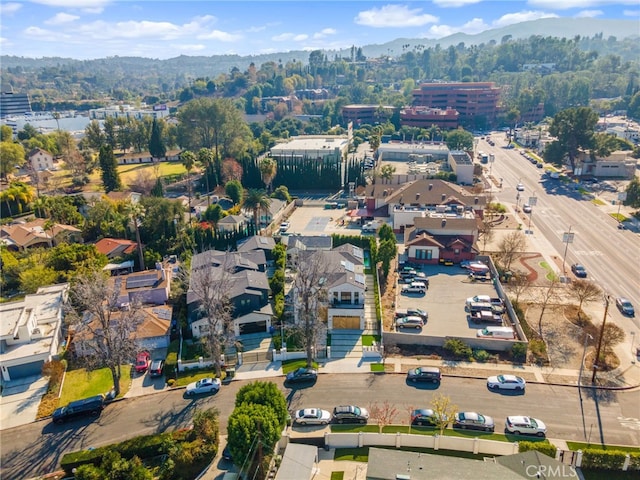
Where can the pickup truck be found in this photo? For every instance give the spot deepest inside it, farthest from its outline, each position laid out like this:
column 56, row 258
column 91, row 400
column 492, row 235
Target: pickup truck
column 371, row 227
column 496, row 303
column 486, row 316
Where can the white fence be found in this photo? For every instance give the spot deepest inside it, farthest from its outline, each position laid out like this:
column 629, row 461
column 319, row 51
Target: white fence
column 474, row 445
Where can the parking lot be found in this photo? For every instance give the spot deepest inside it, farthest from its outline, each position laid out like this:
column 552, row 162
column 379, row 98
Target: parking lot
column 449, row 287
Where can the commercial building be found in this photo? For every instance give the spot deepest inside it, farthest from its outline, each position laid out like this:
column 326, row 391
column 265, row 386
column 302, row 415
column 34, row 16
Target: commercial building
column 321, row 147
column 366, row 114
column 426, row 117
column 474, row 101
column 128, row 111
column 14, row 104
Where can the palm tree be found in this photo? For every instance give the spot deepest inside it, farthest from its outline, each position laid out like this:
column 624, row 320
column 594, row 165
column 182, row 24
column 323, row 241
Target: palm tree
column 188, row 160
column 206, row 158
column 268, row 168
column 257, row 201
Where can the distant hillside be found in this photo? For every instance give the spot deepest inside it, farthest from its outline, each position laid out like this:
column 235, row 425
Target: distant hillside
column 210, row 66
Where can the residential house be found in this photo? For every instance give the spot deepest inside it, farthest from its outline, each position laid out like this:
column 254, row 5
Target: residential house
column 150, row 328
column 248, row 290
column 344, row 281
column 30, row 331
column 619, row 164
column 131, row 197
column 257, row 242
column 38, row 233
column 299, row 462
column 266, row 217
column 232, row 223
column 434, row 238
column 422, row 198
column 298, row 243
column 147, row 287
column 145, row 157
column 40, row 160
column 115, row 247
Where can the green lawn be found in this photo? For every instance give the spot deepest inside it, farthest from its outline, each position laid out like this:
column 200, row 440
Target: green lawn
column 185, row 378
column 362, row 454
column 368, row 340
column 377, row 367
column 81, row 383
column 337, row 476
column 291, row 365
column 583, row 446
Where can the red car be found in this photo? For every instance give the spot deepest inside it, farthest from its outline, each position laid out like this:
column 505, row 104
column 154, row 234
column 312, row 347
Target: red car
column 142, row 362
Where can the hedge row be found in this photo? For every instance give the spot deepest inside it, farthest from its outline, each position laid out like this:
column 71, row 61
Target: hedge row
column 145, row 446
column 542, row 447
column 596, row 459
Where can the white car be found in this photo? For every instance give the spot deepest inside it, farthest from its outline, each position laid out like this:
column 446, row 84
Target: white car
column 520, row 187
column 478, row 299
column 313, row 416
column 526, row 208
column 519, row 424
column 284, row 226
column 506, row 382
column 204, row 385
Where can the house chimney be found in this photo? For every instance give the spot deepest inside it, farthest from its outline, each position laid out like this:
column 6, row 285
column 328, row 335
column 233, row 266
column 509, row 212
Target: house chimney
column 418, row 196
column 475, row 200
column 444, row 195
column 444, row 222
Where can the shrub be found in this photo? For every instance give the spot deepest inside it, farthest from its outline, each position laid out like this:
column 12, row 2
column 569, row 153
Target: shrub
column 458, row 348
column 481, row 355
column 542, row 447
column 519, row 352
column 171, row 362
column 608, row 459
column 538, row 349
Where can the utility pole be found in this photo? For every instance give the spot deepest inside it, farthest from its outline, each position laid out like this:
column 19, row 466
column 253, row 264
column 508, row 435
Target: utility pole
column 567, row 238
column 597, row 358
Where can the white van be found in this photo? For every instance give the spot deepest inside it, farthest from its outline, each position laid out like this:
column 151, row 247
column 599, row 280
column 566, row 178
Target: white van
column 502, row 333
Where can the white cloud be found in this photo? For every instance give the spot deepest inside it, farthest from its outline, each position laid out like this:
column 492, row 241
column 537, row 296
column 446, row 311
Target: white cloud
column 190, row 47
column 325, row 32
column 221, row 36
column 589, row 13
column 394, row 16
column 476, row 25
column 631, row 13
column 454, row 3
column 518, row 17
column 283, row 37
column 567, row 4
column 61, row 18
column 9, row 8
column 49, row 35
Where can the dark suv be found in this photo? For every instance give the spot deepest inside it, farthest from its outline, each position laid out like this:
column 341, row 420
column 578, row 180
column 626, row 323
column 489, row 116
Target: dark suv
column 424, row 374
column 91, row 406
column 350, row 414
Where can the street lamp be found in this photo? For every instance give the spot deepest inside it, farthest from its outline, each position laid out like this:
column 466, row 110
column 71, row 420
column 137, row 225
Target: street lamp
column 597, row 357
column 532, row 203
column 567, row 238
column 584, row 353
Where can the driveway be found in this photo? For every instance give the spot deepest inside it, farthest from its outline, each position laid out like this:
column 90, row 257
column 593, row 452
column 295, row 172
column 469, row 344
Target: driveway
column 145, row 384
column 20, row 399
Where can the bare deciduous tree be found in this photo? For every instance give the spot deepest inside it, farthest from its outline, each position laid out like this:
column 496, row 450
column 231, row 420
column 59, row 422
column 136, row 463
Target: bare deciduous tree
column 310, row 294
column 444, row 411
column 611, row 337
column 510, row 247
column 106, row 328
column 584, row 291
column 211, row 285
column 543, row 297
column 485, row 231
column 519, row 284
column 382, row 414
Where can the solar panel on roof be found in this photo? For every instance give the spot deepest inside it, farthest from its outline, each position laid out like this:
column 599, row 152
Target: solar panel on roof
column 146, row 280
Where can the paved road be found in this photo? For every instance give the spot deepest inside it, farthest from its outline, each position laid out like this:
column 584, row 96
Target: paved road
column 611, row 256
column 37, row 448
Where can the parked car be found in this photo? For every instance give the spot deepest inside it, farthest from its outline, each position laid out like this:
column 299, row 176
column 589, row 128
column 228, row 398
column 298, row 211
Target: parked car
column 226, row 454
column 414, row 289
column 312, row 416
column 520, row 187
column 350, row 414
column 409, row 322
column 284, row 226
column 526, row 208
column 519, row 425
column 91, row 406
column 506, row 382
column 204, row 385
column 473, row 421
column 424, row 374
column 302, row 375
column 412, row 312
column 579, row 270
column 424, row 417
column 156, row 368
column 143, row 359
column 625, row 306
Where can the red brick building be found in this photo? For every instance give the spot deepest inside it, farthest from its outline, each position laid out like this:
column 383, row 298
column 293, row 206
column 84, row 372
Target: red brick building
column 366, row 114
column 425, row 117
column 470, row 99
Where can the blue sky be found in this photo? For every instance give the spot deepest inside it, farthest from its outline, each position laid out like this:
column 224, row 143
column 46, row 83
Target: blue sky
column 87, row 29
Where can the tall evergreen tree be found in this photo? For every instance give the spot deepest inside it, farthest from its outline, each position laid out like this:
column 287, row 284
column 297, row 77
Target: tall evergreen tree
column 109, row 167
column 157, row 148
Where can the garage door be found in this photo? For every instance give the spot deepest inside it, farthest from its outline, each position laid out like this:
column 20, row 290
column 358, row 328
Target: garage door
column 253, row 327
column 26, row 370
column 346, row 323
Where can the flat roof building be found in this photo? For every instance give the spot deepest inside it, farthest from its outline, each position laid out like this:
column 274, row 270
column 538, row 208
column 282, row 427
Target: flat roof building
column 426, row 117
column 321, row 147
column 366, row 114
column 14, row 104
column 470, row 99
